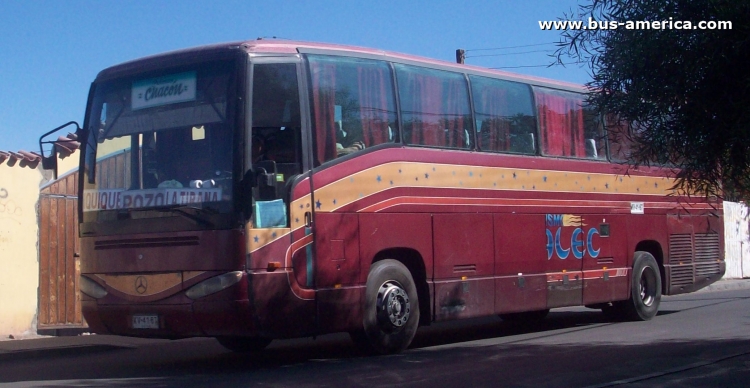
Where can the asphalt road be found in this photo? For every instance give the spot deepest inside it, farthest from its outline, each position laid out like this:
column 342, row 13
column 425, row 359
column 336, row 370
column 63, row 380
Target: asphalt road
column 697, row 340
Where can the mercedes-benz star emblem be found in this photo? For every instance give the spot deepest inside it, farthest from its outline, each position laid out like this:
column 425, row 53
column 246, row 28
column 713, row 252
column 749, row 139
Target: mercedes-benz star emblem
column 141, row 284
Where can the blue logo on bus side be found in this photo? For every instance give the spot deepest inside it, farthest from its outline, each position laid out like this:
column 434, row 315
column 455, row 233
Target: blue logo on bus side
column 577, row 246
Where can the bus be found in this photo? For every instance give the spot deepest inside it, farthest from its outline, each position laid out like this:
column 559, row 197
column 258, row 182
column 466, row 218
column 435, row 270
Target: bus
column 272, row 189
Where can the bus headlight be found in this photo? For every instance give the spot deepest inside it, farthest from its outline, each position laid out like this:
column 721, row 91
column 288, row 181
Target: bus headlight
column 92, row 288
column 213, row 285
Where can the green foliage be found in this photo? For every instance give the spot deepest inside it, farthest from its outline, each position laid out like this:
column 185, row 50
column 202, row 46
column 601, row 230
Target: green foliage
column 683, row 94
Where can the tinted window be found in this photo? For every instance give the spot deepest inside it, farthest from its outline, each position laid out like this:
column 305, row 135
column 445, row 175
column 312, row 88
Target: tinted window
column 353, row 105
column 505, row 115
column 619, row 138
column 434, row 107
column 567, row 126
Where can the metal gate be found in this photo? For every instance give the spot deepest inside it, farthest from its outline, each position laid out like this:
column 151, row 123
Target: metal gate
column 59, row 264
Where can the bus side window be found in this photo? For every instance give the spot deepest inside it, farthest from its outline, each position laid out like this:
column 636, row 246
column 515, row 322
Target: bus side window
column 568, row 127
column 434, row 107
column 619, row 139
column 506, row 121
column 352, row 104
column 276, row 128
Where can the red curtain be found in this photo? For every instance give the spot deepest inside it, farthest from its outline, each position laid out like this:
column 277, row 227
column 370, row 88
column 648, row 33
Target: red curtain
column 561, row 123
column 324, row 100
column 425, row 108
column 435, row 106
column 373, row 99
column 495, row 130
column 455, row 107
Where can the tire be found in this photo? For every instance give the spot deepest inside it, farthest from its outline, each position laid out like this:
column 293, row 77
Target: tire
column 526, row 316
column 391, row 308
column 244, row 344
column 645, row 290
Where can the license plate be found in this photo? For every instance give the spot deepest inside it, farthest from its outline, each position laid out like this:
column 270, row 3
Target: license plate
column 145, row 321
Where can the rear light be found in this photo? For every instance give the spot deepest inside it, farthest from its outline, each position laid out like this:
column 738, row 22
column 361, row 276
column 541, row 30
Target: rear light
column 92, row 288
column 213, row 285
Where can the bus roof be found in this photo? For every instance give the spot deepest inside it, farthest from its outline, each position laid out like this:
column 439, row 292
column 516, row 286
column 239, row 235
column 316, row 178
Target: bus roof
column 263, row 46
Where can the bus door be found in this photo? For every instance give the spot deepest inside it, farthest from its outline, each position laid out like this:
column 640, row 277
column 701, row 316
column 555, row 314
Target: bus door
column 565, row 250
column 279, row 232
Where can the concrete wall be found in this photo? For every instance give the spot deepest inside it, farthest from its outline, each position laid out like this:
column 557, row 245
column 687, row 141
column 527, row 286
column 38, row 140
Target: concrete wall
column 19, row 244
column 19, row 249
column 736, row 240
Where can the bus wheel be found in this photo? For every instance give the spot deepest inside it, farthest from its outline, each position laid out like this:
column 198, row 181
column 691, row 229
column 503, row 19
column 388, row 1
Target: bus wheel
column 645, row 289
column 244, row 344
column 526, row 316
column 391, row 310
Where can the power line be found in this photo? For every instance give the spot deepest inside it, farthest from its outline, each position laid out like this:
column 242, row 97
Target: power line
column 550, row 65
column 518, row 67
column 516, row 53
column 512, row 47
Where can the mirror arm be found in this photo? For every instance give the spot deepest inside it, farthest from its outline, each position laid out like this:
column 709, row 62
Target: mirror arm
column 50, row 162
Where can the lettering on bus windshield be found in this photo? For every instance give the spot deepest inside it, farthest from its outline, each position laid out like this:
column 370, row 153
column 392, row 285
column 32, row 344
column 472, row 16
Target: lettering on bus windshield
column 580, row 242
column 133, row 199
column 163, row 90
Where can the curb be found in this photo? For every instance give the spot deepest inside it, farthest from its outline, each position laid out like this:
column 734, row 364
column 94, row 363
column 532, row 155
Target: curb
column 727, row 285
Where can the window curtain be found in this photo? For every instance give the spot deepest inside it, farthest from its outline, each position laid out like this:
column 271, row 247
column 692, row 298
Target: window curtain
column 561, row 123
column 324, row 99
column 495, row 130
column 422, row 107
column 456, row 108
column 374, row 87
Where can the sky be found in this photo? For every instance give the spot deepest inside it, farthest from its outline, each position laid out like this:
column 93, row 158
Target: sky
column 51, row 50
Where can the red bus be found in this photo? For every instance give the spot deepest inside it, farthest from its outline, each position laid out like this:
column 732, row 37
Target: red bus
column 275, row 189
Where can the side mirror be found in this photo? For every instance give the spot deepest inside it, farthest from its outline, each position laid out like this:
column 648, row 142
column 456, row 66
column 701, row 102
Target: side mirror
column 49, row 162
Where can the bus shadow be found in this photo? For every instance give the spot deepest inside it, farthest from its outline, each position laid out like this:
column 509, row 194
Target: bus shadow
column 335, row 348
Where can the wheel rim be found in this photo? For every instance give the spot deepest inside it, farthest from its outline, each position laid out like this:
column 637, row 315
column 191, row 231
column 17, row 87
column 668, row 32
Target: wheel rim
column 393, row 306
column 647, row 286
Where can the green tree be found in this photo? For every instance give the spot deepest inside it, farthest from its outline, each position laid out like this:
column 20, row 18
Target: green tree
column 682, row 93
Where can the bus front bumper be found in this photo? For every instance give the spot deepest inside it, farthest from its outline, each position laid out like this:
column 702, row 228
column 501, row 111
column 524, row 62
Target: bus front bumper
column 196, row 319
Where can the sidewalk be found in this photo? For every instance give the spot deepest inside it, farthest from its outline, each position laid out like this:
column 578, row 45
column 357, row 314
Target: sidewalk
column 40, row 346
column 727, row 285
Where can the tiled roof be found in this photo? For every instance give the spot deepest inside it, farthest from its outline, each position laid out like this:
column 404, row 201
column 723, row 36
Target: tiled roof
column 65, row 146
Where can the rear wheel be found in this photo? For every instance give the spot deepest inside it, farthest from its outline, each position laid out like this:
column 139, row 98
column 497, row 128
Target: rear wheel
column 244, row 344
column 391, row 310
column 645, row 291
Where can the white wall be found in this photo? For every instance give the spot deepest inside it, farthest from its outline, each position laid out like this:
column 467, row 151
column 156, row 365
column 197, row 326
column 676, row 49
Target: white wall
column 736, row 241
column 19, row 249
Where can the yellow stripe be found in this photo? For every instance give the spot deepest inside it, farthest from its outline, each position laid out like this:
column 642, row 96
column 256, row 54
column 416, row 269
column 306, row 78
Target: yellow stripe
column 409, row 174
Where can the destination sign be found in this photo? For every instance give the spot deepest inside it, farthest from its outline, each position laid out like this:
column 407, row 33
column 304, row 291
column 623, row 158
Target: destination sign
column 113, row 199
column 163, row 90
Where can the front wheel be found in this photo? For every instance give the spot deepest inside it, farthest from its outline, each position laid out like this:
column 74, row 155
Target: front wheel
column 391, row 310
column 645, row 290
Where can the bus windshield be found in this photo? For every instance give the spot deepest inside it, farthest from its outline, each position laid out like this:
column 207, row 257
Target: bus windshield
column 161, row 140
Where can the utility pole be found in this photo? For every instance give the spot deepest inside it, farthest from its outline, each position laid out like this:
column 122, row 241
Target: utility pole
column 460, row 56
